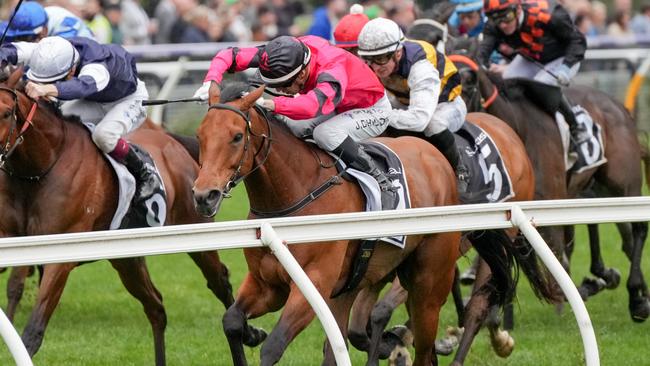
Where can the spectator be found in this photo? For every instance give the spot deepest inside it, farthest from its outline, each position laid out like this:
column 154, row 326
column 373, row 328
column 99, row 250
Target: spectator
column 403, row 13
column 326, row 17
column 583, row 23
column 97, row 22
column 267, row 22
column 135, row 25
column 166, row 15
column 598, row 17
column 113, row 12
column 621, row 24
column 201, row 26
column 641, row 22
column 286, row 12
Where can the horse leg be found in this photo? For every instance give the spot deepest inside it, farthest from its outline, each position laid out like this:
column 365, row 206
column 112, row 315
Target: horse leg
column 49, row 294
column 297, row 314
column 253, row 300
column 340, row 308
column 135, row 277
column 639, row 304
column 360, row 316
column 379, row 318
column 475, row 313
column 218, row 275
column 15, row 288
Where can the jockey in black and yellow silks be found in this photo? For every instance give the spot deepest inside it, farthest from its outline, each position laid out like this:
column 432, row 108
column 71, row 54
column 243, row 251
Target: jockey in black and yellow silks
column 425, row 84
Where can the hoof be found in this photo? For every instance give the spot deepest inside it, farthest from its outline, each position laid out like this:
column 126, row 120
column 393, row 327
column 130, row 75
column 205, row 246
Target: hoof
column 590, row 287
column 254, row 336
column 446, row 346
column 503, row 343
column 468, row 277
column 400, row 357
column 640, row 309
column 612, row 278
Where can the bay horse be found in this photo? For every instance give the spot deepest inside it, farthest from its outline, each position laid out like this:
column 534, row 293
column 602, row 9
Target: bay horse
column 239, row 142
column 620, row 176
column 55, row 180
column 475, row 312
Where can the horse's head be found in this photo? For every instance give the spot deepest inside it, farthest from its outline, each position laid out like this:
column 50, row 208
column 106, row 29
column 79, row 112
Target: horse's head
column 14, row 108
column 227, row 152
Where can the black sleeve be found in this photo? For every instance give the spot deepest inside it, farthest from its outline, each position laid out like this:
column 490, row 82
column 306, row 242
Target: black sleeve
column 491, row 38
column 564, row 30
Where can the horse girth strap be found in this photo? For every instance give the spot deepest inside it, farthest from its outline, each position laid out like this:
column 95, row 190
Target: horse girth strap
column 309, row 198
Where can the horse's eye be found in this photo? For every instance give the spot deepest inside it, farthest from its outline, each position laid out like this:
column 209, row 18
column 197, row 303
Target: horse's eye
column 7, row 114
column 238, row 137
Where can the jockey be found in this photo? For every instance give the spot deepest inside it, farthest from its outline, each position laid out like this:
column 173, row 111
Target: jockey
column 547, row 44
column 424, row 81
column 337, row 98
column 347, row 30
column 98, row 83
column 468, row 17
column 32, row 22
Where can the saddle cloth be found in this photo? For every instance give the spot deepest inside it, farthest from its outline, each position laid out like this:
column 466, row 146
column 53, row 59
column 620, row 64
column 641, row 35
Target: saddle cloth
column 388, row 162
column 588, row 154
column 152, row 211
column 489, row 179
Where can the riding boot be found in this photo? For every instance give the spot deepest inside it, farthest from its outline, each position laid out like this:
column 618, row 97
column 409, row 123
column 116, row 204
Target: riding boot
column 579, row 133
column 147, row 181
column 446, row 143
column 354, row 156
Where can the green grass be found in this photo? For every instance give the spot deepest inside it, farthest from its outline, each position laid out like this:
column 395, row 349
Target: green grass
column 98, row 323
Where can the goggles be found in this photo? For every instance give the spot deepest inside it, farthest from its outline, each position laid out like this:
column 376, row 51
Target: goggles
column 506, row 16
column 380, row 60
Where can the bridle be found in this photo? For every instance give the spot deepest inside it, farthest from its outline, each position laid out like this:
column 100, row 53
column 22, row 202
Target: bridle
column 236, row 178
column 474, row 93
column 18, row 137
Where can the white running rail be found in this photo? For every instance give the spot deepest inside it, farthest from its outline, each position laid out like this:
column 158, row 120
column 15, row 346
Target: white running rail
column 304, row 229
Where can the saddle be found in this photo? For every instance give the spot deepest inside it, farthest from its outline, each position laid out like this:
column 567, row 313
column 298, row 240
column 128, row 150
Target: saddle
column 578, row 158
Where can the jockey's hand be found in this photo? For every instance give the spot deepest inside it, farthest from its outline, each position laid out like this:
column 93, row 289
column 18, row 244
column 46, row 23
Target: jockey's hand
column 563, row 75
column 498, row 68
column 266, row 104
column 203, row 92
column 37, row 91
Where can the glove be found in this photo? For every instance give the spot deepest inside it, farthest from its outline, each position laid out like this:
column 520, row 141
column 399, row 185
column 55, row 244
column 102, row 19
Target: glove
column 37, row 91
column 203, row 92
column 563, row 75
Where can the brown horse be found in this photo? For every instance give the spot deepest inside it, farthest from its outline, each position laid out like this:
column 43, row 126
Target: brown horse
column 52, row 165
column 621, row 176
column 521, row 173
column 239, row 142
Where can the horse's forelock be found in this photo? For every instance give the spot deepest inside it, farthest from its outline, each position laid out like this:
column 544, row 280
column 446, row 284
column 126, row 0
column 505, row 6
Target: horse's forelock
column 233, row 91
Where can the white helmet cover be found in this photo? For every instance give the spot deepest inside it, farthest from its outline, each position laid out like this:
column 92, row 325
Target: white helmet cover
column 51, row 60
column 380, row 36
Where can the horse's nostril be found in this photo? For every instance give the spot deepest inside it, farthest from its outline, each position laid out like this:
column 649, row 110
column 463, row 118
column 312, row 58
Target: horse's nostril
column 214, row 195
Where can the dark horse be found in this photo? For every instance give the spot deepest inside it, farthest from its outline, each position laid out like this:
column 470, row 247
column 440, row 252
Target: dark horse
column 620, row 176
column 52, row 166
column 238, row 142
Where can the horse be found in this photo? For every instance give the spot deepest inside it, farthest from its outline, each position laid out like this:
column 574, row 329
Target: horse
column 50, row 164
column 475, row 312
column 621, row 176
column 240, row 142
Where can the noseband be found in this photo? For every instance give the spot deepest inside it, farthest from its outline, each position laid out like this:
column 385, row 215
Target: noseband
column 236, row 178
column 7, row 149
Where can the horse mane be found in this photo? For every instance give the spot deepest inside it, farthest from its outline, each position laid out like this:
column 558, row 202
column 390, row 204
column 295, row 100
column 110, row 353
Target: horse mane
column 50, row 107
column 233, row 91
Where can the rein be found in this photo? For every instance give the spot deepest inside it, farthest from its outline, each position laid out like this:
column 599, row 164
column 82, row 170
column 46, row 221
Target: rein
column 8, row 148
column 475, row 67
column 235, row 178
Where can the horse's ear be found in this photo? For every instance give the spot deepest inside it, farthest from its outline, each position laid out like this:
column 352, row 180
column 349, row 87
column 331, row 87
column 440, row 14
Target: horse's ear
column 214, row 93
column 15, row 77
column 249, row 99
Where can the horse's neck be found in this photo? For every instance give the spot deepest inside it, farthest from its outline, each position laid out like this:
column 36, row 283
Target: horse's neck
column 288, row 174
column 501, row 107
column 42, row 144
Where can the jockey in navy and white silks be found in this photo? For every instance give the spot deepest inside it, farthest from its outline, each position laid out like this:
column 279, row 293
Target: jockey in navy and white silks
column 424, row 82
column 98, row 83
column 33, row 22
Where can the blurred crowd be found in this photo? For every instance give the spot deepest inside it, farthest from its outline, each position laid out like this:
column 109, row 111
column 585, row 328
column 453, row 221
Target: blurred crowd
column 137, row 22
